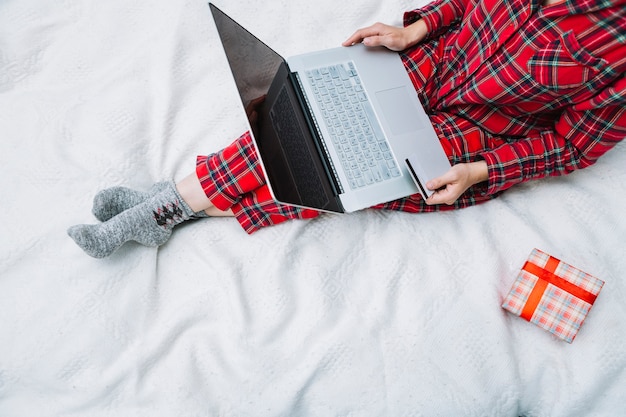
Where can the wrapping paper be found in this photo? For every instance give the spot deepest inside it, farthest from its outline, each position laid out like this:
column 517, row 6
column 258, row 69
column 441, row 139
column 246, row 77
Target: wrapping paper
column 553, row 295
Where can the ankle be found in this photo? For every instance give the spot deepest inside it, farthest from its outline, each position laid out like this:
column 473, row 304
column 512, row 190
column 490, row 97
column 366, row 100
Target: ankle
column 215, row 212
column 191, row 192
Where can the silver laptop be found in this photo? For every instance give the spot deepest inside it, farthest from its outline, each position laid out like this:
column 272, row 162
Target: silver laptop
column 337, row 130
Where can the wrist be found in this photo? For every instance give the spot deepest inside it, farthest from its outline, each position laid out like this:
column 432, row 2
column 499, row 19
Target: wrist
column 479, row 171
column 417, row 31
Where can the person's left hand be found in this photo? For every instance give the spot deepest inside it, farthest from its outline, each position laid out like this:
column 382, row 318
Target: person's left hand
column 456, row 181
column 391, row 37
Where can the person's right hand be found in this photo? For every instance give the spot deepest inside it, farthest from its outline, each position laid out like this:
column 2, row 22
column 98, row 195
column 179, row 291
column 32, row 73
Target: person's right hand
column 391, row 37
column 451, row 185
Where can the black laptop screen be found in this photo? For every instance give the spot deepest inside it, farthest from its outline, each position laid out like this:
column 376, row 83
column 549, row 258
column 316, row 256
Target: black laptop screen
column 253, row 63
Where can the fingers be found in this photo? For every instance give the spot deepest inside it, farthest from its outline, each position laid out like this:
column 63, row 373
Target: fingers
column 353, row 39
column 370, row 36
column 442, row 196
column 358, row 36
column 379, row 34
column 449, row 188
column 440, row 182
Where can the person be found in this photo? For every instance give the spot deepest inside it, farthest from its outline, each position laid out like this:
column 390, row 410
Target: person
column 516, row 90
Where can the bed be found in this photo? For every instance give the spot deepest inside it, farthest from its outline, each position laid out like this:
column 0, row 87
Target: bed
column 369, row 314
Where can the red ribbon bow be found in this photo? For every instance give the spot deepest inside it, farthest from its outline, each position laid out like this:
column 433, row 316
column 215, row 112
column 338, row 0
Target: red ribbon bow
column 547, row 276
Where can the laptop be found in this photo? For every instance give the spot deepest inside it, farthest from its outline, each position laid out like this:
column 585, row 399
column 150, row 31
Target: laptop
column 337, row 130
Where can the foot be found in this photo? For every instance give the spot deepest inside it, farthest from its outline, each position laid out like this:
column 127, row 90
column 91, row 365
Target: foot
column 149, row 223
column 112, row 201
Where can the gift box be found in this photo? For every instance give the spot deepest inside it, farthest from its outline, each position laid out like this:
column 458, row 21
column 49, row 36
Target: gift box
column 553, row 295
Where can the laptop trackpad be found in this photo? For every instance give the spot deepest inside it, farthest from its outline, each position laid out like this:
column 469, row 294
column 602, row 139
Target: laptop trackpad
column 399, row 110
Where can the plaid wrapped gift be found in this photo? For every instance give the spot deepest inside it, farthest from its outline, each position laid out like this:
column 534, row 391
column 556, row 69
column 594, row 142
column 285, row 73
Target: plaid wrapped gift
column 553, row 295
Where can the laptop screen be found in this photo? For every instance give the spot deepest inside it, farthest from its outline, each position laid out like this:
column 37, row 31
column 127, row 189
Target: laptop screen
column 253, row 63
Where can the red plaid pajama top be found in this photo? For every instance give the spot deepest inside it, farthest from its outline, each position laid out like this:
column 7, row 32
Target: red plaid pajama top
column 534, row 91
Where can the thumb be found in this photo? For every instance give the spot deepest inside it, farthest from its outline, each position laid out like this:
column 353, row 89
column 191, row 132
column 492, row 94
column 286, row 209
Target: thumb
column 441, row 181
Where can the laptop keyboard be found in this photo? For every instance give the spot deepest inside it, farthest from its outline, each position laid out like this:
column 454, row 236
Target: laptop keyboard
column 358, row 139
column 308, row 183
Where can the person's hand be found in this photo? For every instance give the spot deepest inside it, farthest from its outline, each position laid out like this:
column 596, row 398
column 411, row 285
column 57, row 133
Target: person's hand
column 456, row 181
column 391, row 37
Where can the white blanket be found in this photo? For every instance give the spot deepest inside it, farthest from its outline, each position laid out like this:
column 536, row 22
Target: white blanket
column 369, row 314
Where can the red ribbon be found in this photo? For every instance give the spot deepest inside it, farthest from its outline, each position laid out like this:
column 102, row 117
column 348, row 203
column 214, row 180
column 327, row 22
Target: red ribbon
column 547, row 276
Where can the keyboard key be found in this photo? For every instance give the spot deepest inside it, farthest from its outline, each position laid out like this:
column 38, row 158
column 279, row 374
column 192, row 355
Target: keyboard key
column 358, row 139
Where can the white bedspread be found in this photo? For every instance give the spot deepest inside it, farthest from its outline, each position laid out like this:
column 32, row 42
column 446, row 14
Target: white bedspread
column 370, row 314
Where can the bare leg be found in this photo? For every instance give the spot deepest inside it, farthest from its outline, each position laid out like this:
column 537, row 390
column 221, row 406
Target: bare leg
column 215, row 212
column 191, row 191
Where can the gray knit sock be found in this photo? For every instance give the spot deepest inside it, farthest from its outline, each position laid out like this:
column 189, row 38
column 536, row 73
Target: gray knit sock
column 112, row 201
column 149, row 223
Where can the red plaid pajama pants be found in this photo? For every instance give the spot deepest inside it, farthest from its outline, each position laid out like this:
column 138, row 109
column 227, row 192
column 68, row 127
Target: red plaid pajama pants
column 233, row 179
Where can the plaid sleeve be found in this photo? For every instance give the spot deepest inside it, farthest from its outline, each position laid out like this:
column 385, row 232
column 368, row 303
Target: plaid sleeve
column 582, row 134
column 438, row 15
